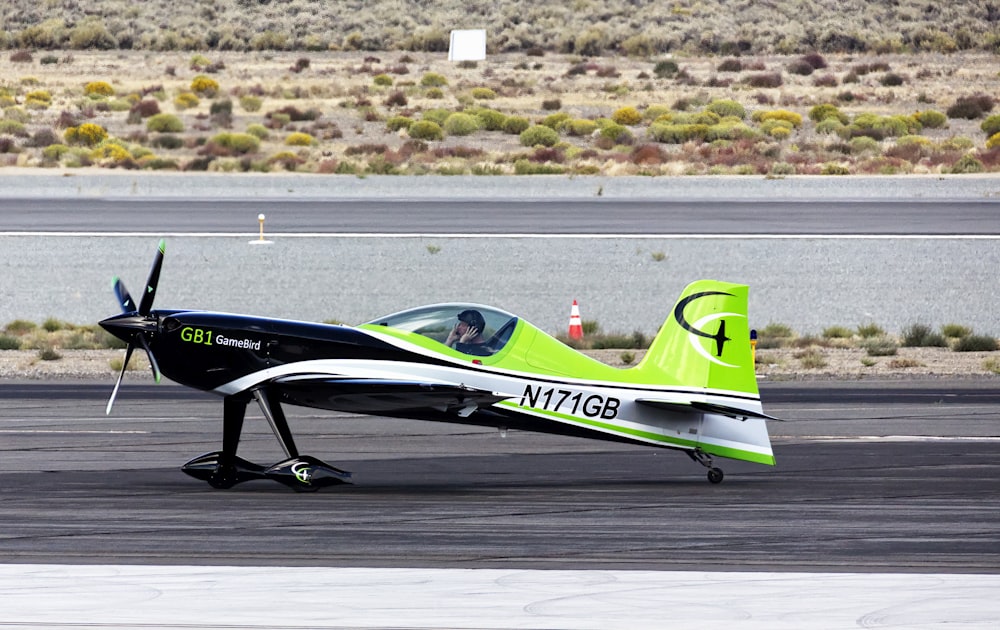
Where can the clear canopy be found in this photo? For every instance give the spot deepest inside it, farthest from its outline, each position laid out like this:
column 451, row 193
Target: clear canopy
column 438, row 320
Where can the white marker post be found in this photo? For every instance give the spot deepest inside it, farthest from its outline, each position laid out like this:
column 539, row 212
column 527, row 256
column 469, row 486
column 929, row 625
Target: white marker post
column 261, row 241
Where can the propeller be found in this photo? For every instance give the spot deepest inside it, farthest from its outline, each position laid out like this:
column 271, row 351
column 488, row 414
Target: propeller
column 134, row 325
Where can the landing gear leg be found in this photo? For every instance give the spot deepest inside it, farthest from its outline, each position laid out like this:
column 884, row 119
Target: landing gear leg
column 224, row 469
column 301, row 473
column 714, row 474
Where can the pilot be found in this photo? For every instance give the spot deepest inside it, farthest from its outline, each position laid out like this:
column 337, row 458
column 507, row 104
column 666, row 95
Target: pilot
column 467, row 335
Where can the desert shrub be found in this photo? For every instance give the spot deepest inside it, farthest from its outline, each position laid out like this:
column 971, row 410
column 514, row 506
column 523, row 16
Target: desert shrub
column 145, row 108
column 825, row 80
column 108, row 152
column 727, row 107
column 833, row 168
column 931, row 119
column 382, row 79
column 627, row 116
column 527, row 167
column 285, row 159
column 800, row 67
column 186, row 100
column 880, row 346
column 819, row 113
column 891, row 79
column 976, row 343
column 552, row 105
column 764, row 80
column 88, row 134
column 669, row 133
column 298, row 139
column 778, row 114
column 98, row 89
column 730, row 65
column 395, row 123
column 922, row 336
column 437, row 116
column 13, row 128
column 490, row 119
column 38, row 99
column 483, row 94
column 665, row 69
column 434, row 93
column 556, row 120
column 515, row 125
column 204, row 86
column 971, row 107
column 829, row 126
column 967, row 164
column 9, row 343
column 993, row 141
column 539, row 135
column 955, row 331
column 21, row 56
column 251, row 103
column 433, row 79
column 167, row 141
column 164, row 123
column 43, row 138
column 55, row 152
column 461, row 124
column 837, row 332
column 396, row 99
column 618, row 134
column 581, row 127
column 426, row 130
column 297, row 115
column 991, row 125
column 236, row 143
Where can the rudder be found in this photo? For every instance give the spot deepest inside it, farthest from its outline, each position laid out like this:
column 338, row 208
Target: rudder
column 705, row 341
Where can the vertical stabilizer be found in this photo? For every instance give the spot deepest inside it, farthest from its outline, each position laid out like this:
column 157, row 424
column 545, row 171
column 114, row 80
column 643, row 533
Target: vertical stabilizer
column 705, row 341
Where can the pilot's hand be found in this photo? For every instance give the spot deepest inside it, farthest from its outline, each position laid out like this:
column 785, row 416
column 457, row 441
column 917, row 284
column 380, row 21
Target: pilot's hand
column 470, row 334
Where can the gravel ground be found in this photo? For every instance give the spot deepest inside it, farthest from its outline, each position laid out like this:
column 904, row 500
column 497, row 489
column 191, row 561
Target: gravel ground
column 777, row 364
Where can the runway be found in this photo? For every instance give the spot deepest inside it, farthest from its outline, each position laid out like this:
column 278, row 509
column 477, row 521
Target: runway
column 883, row 511
column 868, row 478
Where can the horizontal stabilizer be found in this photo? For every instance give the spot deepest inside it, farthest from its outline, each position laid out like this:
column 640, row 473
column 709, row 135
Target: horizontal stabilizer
column 372, row 395
column 695, row 406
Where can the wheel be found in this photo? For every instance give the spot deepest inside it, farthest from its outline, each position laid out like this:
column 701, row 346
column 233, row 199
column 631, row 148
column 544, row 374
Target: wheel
column 715, row 475
column 223, row 478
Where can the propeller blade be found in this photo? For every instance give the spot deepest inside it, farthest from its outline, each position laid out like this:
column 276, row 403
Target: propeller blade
column 152, row 360
column 124, row 298
column 121, row 375
column 146, row 304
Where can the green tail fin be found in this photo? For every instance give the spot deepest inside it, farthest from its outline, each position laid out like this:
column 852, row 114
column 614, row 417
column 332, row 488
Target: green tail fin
column 705, row 341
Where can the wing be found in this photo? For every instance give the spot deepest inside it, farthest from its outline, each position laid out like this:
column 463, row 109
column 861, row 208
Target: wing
column 694, row 406
column 374, row 396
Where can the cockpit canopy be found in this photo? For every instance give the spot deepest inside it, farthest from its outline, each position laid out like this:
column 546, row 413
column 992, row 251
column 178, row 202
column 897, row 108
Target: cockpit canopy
column 438, row 320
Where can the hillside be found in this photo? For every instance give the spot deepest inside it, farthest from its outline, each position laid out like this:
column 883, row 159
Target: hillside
column 583, row 27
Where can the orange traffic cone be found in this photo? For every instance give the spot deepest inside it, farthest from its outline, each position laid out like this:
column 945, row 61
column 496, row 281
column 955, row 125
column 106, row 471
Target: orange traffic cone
column 575, row 325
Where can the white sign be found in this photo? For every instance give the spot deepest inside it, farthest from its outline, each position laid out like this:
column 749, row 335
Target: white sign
column 469, row 45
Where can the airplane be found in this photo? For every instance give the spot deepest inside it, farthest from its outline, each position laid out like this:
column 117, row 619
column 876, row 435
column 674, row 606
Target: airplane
column 695, row 390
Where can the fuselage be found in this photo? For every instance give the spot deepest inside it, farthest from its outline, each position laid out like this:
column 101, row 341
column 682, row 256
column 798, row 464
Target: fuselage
column 545, row 385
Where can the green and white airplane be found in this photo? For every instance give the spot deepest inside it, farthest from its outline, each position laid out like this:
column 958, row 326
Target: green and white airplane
column 695, row 390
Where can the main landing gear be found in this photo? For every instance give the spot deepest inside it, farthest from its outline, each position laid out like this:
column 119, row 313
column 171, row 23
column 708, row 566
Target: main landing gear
column 224, row 469
column 714, row 474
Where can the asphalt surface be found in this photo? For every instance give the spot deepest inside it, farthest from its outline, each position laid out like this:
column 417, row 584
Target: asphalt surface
column 471, row 215
column 856, row 488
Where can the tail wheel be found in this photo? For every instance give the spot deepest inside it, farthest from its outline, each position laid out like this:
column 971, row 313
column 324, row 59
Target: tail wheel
column 715, row 475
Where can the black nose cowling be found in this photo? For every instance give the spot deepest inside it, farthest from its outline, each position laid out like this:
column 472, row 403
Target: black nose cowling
column 127, row 326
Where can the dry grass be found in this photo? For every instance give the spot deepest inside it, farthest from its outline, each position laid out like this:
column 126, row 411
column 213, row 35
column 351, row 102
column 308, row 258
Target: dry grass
column 583, row 27
column 334, row 97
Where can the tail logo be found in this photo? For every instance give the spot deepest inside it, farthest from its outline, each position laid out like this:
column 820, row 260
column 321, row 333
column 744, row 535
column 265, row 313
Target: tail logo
column 697, row 328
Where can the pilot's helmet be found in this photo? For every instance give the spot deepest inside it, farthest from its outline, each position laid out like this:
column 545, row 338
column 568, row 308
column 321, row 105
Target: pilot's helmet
column 473, row 318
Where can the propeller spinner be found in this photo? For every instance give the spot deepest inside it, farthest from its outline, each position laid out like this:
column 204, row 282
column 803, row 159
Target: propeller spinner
column 135, row 325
